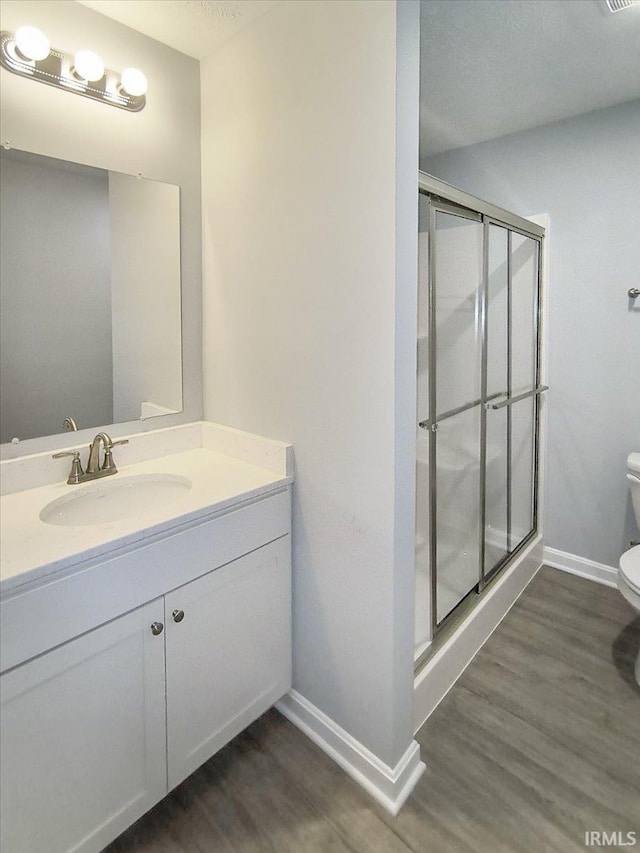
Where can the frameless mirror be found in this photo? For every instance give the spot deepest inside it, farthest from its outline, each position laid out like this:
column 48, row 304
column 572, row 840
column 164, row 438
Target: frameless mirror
column 90, row 322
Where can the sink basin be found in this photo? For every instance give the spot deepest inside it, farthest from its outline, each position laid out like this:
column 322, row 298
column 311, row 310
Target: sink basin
column 114, row 499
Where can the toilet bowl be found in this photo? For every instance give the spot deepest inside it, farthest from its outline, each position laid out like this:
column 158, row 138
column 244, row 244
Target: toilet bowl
column 629, row 586
column 629, row 571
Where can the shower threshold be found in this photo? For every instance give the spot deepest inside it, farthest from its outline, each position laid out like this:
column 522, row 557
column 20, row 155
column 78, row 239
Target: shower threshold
column 452, row 622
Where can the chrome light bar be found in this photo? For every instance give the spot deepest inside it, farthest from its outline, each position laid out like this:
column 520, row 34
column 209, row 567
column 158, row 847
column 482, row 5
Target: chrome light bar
column 58, row 69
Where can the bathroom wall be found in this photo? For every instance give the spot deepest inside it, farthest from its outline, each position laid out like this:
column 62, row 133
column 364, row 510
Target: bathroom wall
column 162, row 141
column 50, row 371
column 310, row 324
column 585, row 173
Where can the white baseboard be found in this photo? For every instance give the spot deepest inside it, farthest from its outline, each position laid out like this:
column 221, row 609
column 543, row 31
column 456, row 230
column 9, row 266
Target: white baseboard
column 574, row 565
column 390, row 786
column 441, row 672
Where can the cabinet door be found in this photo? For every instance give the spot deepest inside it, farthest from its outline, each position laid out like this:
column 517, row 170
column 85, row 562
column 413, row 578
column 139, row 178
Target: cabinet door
column 83, row 738
column 229, row 656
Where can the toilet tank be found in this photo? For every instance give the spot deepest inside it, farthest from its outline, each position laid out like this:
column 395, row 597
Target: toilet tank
column 633, row 476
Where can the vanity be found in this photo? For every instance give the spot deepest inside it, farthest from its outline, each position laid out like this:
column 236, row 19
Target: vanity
column 145, row 621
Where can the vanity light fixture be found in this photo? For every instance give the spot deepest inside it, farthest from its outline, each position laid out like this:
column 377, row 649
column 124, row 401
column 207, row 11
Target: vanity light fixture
column 28, row 53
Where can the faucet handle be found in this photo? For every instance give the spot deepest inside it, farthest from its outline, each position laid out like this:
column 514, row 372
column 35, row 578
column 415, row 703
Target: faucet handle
column 109, row 464
column 76, row 468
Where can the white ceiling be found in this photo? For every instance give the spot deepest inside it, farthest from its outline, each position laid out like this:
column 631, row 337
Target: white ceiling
column 493, row 67
column 488, row 67
column 194, row 27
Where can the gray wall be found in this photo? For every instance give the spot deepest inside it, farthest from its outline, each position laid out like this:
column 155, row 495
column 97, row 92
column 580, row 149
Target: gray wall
column 162, row 141
column 585, row 173
column 55, row 346
column 310, row 324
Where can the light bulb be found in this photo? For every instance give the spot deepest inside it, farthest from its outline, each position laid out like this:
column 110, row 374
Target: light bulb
column 32, row 43
column 88, row 66
column 133, row 81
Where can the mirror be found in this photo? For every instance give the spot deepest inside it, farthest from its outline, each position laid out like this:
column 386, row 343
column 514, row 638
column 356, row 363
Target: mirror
column 90, row 321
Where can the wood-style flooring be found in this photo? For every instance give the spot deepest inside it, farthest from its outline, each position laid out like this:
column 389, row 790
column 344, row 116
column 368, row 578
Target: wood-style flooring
column 537, row 743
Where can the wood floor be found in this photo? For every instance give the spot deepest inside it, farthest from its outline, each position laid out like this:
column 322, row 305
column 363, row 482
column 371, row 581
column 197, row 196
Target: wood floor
column 537, row 743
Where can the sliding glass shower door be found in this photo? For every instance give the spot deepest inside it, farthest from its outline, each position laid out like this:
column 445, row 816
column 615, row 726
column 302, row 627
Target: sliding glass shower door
column 456, row 336
column 512, row 371
column 478, row 373
column 496, row 497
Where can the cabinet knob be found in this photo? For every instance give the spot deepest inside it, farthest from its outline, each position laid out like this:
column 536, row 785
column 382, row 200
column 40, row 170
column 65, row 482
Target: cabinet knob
column 178, row 615
column 156, row 628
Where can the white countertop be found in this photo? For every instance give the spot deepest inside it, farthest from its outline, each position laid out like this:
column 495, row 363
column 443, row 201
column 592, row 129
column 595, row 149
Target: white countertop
column 33, row 549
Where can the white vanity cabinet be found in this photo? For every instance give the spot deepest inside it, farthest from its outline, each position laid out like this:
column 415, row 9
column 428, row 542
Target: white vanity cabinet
column 98, row 729
column 228, row 654
column 83, row 738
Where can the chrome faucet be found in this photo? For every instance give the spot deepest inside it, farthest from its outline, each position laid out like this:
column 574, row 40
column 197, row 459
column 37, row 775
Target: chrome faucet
column 94, row 469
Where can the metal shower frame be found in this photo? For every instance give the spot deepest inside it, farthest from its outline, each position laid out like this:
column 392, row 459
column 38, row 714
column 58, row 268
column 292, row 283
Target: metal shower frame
column 448, row 199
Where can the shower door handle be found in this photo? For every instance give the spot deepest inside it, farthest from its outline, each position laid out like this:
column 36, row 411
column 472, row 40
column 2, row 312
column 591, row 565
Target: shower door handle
column 512, row 400
column 433, row 424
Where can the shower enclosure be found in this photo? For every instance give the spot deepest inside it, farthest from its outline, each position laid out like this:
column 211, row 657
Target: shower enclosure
column 478, row 398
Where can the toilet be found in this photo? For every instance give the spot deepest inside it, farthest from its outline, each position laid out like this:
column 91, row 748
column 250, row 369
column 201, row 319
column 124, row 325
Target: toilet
column 629, row 571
